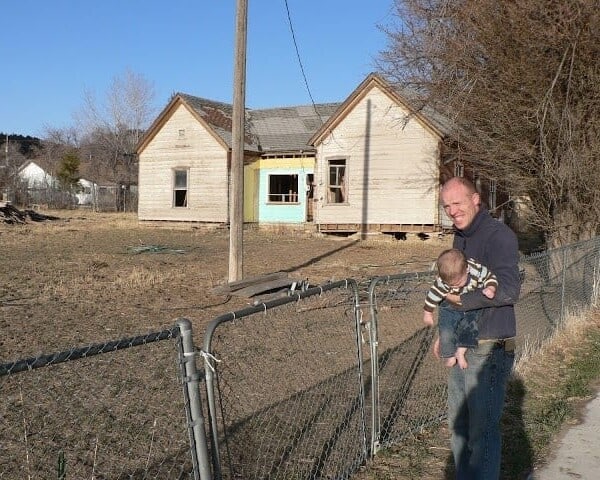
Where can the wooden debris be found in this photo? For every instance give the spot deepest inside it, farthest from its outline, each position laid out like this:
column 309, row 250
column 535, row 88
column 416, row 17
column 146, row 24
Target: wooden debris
column 249, row 287
column 12, row 215
column 153, row 249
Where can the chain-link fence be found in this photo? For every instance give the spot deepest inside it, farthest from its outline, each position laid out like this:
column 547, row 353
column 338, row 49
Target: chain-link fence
column 409, row 381
column 44, row 195
column 289, row 389
column 116, row 412
column 112, row 198
column 283, row 401
column 285, row 387
column 556, row 283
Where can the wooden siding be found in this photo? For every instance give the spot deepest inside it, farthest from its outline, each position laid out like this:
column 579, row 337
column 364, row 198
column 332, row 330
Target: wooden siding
column 391, row 167
column 201, row 154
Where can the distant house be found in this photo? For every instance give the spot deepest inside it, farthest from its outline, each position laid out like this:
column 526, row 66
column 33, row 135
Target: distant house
column 38, row 186
column 88, row 193
column 38, row 179
column 368, row 164
column 35, row 177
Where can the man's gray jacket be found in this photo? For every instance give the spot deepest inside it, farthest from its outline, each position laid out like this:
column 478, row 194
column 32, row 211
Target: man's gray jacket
column 491, row 243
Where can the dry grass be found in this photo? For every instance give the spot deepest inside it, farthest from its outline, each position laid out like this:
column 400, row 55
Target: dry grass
column 562, row 342
column 69, row 281
column 73, row 281
column 76, row 281
column 554, row 386
column 140, row 278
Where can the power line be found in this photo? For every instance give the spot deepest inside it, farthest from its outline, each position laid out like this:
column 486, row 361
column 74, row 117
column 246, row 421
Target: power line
column 287, row 8
column 303, row 73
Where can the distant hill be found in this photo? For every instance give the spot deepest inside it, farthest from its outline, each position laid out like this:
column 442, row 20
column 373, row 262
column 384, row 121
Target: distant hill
column 27, row 144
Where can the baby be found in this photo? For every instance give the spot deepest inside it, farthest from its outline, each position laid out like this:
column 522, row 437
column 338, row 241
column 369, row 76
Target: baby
column 458, row 330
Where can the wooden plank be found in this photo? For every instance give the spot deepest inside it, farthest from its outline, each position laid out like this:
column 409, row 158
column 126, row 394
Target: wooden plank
column 252, row 290
column 233, row 287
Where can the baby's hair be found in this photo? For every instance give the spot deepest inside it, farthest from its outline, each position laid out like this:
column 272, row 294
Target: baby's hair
column 451, row 265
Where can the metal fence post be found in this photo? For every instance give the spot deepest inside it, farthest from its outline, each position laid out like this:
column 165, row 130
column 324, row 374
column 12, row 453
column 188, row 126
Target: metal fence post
column 374, row 345
column 199, row 447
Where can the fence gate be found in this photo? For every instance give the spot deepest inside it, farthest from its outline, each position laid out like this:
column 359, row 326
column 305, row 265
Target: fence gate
column 285, row 387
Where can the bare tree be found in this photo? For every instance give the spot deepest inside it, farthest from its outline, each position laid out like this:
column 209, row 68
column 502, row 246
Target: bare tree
column 12, row 159
column 112, row 129
column 57, row 143
column 520, row 82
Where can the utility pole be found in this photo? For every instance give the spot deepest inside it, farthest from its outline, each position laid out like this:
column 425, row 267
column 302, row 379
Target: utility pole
column 236, row 185
column 6, row 193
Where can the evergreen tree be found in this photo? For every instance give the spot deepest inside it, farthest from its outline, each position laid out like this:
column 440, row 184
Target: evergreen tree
column 68, row 172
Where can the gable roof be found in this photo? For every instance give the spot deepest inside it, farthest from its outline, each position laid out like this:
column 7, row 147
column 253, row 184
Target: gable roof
column 424, row 115
column 41, row 163
column 33, row 164
column 217, row 117
column 288, row 129
column 269, row 130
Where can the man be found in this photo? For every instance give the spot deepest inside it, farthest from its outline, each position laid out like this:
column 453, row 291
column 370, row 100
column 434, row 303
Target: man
column 476, row 394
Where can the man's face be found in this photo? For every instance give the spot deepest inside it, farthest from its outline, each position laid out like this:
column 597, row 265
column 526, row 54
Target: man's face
column 460, row 205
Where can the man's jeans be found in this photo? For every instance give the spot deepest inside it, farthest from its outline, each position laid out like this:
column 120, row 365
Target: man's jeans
column 457, row 329
column 475, row 401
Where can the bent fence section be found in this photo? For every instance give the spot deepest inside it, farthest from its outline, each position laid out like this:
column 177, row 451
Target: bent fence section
column 307, row 386
column 285, row 387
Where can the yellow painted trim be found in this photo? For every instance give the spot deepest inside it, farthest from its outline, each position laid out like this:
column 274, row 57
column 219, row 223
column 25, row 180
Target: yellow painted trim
column 308, row 162
column 250, row 193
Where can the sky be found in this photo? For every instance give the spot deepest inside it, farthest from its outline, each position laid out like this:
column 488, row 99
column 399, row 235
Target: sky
column 54, row 51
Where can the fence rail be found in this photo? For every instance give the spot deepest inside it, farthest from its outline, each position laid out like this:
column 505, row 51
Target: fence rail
column 306, row 386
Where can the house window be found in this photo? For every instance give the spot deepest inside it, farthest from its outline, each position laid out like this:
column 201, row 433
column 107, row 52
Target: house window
column 459, row 169
column 283, row 189
column 336, row 184
column 182, row 133
column 180, row 188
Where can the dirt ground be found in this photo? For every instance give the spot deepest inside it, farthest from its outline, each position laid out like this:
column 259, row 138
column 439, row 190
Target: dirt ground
column 89, row 278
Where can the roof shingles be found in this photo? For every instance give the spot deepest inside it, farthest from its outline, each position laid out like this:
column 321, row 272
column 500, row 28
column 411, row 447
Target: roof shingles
column 290, row 129
column 281, row 129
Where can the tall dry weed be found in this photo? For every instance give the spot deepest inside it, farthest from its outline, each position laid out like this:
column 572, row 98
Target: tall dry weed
column 566, row 336
column 140, row 277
